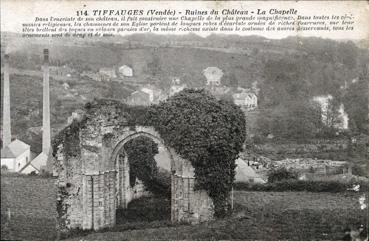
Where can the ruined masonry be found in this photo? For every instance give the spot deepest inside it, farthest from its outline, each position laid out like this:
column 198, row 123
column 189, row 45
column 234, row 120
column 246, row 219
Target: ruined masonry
column 94, row 181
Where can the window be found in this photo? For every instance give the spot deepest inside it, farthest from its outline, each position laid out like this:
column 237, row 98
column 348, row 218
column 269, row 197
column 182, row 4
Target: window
column 27, row 159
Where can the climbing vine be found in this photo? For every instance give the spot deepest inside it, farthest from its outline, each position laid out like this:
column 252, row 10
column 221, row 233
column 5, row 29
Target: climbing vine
column 142, row 165
column 209, row 133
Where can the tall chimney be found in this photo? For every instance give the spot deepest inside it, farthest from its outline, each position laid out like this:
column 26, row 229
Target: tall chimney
column 7, row 134
column 46, row 136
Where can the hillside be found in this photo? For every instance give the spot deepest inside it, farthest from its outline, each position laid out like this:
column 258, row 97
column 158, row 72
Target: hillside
column 288, row 72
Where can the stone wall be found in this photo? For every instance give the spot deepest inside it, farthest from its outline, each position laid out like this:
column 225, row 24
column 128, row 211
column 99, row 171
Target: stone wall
column 189, row 205
column 99, row 203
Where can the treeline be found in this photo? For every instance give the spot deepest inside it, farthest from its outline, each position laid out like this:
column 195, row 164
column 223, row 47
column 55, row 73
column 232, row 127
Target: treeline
column 291, row 81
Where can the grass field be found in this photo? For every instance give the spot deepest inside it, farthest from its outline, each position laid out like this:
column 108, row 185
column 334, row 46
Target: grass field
column 257, row 216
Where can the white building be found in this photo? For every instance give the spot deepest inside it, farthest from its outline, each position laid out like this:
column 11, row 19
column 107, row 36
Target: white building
column 245, row 173
column 153, row 92
column 36, row 165
column 150, row 92
column 246, row 100
column 107, row 74
column 343, row 125
column 15, row 156
column 125, row 71
column 213, row 75
column 176, row 86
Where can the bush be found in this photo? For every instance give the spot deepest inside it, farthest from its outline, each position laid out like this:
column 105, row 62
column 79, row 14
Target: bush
column 301, row 186
column 280, row 174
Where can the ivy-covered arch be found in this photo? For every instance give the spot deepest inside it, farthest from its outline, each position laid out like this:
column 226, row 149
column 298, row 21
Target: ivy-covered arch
column 203, row 135
column 119, row 156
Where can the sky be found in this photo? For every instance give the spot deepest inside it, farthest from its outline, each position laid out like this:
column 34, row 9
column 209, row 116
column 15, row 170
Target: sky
column 15, row 12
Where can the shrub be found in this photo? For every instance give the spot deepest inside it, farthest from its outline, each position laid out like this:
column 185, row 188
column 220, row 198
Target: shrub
column 276, row 175
column 300, row 186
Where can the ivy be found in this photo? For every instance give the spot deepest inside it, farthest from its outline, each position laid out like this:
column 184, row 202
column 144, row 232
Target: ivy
column 207, row 132
column 141, row 151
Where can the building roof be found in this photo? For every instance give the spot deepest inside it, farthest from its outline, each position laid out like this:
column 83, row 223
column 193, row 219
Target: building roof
column 7, row 153
column 141, row 93
column 244, row 95
column 125, row 67
column 14, row 149
column 37, row 163
column 245, row 172
column 213, row 74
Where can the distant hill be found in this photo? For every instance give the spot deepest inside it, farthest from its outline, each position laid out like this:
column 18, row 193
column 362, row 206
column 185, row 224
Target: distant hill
column 317, row 66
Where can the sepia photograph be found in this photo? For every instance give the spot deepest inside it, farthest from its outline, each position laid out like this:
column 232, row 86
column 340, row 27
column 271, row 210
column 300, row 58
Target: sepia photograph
column 193, row 120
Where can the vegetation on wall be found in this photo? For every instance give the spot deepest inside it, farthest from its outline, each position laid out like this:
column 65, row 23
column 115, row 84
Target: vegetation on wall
column 207, row 132
column 141, row 151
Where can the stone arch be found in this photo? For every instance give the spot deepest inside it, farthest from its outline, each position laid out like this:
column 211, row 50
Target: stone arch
column 124, row 193
column 91, row 202
column 142, row 131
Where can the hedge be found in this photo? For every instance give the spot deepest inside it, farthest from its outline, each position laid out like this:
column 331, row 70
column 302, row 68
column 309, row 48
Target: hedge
column 299, row 186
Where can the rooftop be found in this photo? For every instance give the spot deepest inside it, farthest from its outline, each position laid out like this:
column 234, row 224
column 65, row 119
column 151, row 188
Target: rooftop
column 14, row 149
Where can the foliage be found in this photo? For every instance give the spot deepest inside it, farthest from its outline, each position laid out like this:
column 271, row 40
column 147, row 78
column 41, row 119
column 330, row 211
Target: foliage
column 301, row 186
column 69, row 137
column 161, row 184
column 280, row 174
column 207, row 132
column 292, row 120
column 141, row 151
column 356, row 105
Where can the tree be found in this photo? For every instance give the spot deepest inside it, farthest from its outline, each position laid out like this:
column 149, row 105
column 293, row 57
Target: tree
column 332, row 116
column 207, row 132
column 356, row 105
column 154, row 67
column 290, row 120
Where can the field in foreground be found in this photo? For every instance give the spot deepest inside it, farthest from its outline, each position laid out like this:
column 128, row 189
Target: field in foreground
column 257, row 216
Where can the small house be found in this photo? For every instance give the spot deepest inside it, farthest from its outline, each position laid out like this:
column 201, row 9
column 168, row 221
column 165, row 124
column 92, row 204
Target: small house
column 246, row 100
column 176, row 86
column 213, row 76
column 15, row 156
column 107, row 74
column 125, row 71
column 61, row 71
column 139, row 97
column 245, row 173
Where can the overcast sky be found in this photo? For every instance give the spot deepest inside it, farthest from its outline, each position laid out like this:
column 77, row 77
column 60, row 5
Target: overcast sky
column 14, row 13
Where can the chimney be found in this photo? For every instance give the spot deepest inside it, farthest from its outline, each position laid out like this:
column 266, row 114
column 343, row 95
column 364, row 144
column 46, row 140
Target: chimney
column 7, row 135
column 46, row 136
